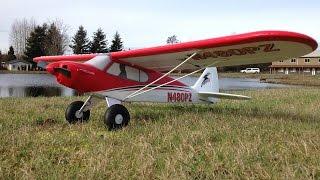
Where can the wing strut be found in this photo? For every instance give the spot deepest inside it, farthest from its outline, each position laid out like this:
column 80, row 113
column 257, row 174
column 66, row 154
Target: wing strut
column 166, row 83
column 139, row 90
column 198, row 70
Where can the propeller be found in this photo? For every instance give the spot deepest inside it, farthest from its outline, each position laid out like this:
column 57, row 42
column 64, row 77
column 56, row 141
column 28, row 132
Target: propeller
column 62, row 70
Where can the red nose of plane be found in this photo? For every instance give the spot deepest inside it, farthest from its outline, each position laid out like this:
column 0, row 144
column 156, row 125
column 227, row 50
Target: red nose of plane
column 78, row 76
column 50, row 67
column 63, row 72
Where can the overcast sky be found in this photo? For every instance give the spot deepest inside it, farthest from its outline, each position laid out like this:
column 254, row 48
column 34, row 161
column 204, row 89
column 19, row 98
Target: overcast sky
column 144, row 23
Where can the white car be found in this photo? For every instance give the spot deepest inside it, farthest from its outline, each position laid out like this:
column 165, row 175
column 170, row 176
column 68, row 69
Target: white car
column 250, row 70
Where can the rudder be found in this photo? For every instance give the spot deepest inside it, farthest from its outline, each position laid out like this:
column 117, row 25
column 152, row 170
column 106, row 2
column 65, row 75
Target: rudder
column 208, row 81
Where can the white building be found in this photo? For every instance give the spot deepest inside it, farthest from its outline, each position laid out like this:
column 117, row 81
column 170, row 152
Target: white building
column 308, row 64
column 18, row 65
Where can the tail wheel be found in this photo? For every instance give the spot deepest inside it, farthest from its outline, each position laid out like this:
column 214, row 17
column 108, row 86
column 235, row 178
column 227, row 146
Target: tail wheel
column 73, row 115
column 116, row 117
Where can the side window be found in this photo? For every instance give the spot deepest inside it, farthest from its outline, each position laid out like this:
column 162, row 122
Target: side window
column 114, row 69
column 127, row 72
column 131, row 73
column 143, row 76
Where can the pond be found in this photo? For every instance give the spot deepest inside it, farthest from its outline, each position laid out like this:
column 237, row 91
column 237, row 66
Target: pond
column 33, row 85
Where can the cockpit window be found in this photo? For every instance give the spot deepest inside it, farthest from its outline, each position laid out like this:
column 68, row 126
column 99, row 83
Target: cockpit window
column 99, row 62
column 127, row 72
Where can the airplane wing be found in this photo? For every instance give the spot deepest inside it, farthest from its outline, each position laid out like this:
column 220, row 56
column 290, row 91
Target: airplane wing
column 249, row 48
column 77, row 57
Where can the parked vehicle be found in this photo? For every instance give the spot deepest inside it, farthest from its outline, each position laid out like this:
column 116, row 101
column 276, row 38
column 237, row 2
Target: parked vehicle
column 250, row 70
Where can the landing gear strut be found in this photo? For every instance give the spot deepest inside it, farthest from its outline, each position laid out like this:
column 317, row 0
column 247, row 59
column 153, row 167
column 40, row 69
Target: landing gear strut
column 74, row 115
column 116, row 116
column 79, row 111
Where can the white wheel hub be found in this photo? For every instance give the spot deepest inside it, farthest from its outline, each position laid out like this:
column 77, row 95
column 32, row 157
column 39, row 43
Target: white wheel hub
column 118, row 119
column 79, row 114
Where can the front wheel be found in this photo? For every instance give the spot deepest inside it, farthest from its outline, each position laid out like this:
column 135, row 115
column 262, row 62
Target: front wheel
column 116, row 117
column 73, row 115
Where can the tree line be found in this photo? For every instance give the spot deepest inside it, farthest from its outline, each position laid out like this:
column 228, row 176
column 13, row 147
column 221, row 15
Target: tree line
column 29, row 40
column 48, row 40
column 99, row 44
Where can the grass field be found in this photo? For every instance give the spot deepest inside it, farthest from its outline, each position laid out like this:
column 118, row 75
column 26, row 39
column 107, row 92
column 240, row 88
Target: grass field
column 274, row 136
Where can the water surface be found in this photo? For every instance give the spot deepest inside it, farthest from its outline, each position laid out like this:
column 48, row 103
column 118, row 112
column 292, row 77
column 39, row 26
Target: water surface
column 33, row 85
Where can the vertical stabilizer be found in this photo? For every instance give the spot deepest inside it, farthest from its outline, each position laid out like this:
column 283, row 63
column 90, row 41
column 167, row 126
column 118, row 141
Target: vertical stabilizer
column 208, row 81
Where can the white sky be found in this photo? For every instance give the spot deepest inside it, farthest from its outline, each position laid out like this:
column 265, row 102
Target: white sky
column 144, row 23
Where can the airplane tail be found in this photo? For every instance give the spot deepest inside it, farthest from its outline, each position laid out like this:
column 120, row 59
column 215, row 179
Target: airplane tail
column 208, row 81
column 207, row 87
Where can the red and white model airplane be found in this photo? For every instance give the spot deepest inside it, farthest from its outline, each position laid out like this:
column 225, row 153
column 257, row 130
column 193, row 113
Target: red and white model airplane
column 134, row 75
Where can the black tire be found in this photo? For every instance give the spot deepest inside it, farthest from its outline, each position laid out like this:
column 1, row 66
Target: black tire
column 112, row 115
column 71, row 113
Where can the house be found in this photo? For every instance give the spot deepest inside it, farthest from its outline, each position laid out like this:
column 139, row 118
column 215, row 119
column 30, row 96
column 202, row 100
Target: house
column 308, row 64
column 3, row 65
column 17, row 65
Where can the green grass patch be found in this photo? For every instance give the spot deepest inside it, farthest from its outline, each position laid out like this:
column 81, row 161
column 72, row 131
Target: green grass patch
column 273, row 136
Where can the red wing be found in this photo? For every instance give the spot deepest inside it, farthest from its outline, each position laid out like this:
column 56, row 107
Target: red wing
column 250, row 48
column 77, row 57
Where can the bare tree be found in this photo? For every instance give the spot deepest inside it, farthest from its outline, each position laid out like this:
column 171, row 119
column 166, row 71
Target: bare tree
column 57, row 42
column 172, row 40
column 57, row 37
column 19, row 33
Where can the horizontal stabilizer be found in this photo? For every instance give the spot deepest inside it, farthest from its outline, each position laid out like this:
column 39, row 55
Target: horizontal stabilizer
column 223, row 95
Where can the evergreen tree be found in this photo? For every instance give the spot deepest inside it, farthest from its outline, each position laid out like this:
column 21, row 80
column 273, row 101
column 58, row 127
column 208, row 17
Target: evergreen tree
column 99, row 43
column 116, row 43
column 80, row 42
column 11, row 55
column 36, row 43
